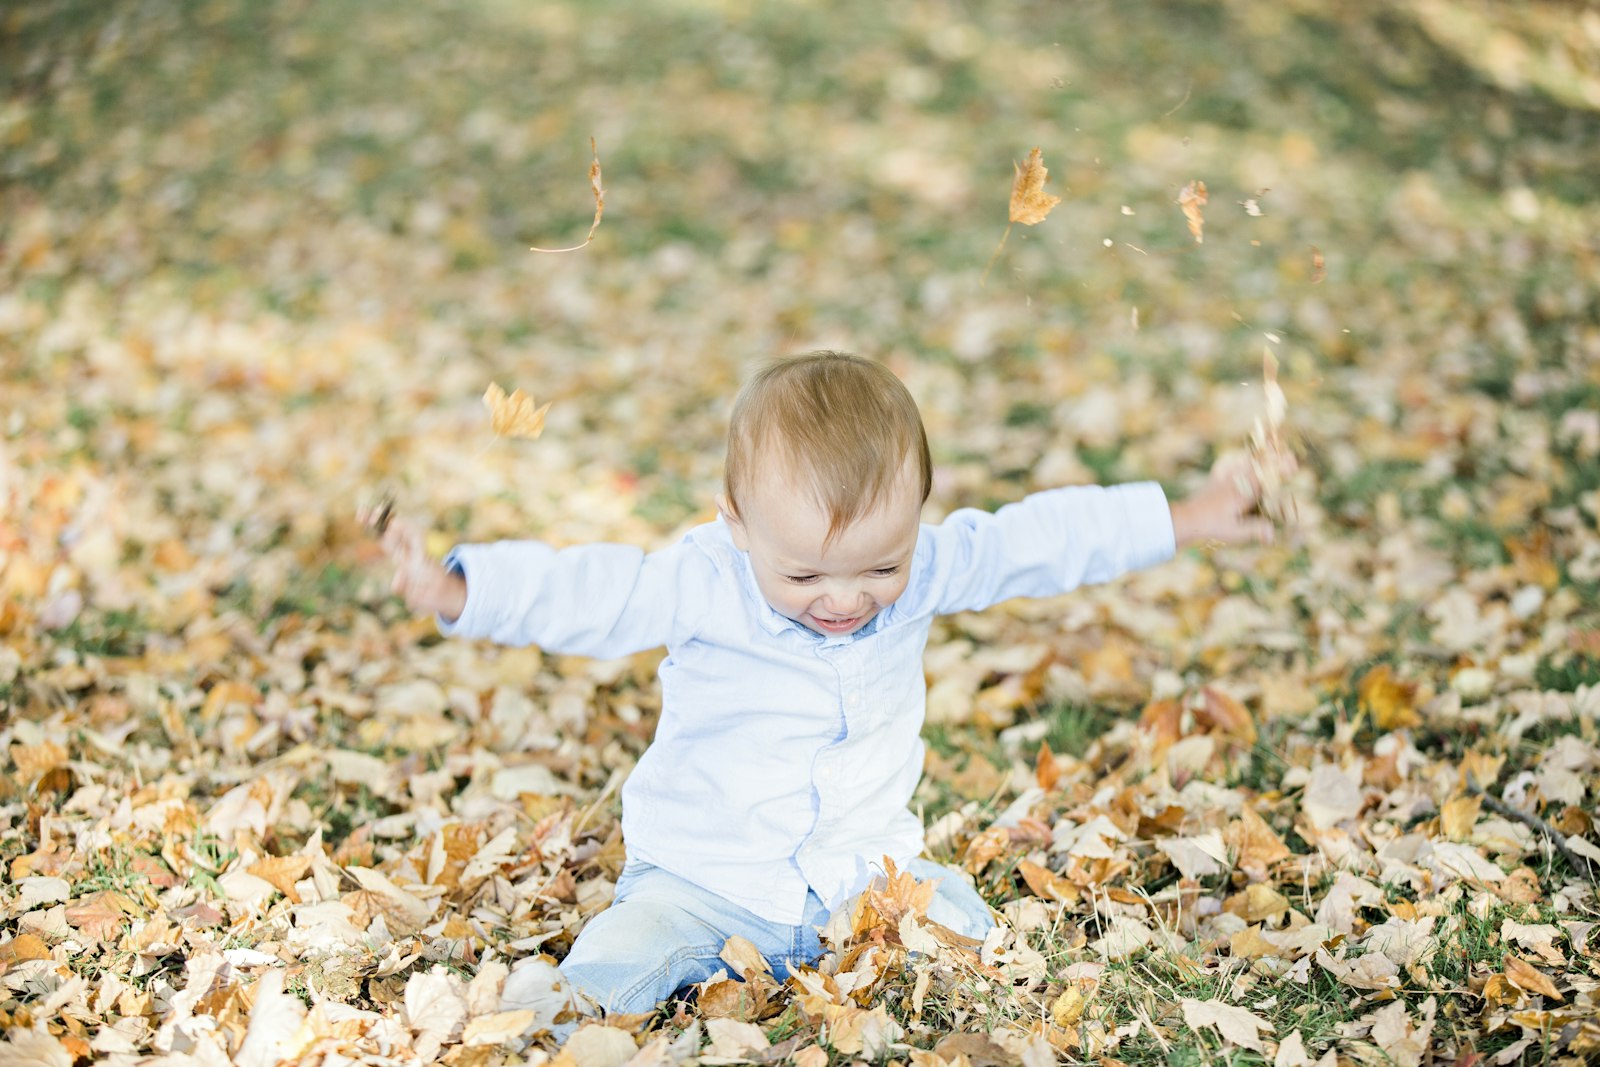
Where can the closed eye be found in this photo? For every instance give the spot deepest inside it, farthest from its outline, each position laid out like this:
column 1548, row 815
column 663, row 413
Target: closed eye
column 885, row 572
column 800, row 579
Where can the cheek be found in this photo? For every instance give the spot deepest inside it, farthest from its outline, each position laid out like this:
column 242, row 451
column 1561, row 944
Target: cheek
column 889, row 592
column 787, row 598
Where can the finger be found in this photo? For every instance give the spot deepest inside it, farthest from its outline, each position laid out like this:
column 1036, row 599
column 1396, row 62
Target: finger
column 1260, row 531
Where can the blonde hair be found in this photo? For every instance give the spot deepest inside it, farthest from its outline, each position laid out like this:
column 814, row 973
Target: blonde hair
column 841, row 422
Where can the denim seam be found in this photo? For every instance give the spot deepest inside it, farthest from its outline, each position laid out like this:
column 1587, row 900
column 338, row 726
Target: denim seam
column 666, row 968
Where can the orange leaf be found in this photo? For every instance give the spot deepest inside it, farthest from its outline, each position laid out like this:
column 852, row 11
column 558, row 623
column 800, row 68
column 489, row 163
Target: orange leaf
column 1047, row 770
column 24, row 947
column 1029, row 202
column 282, row 872
column 514, row 415
column 599, row 202
column 1192, row 198
column 1048, row 884
column 903, row 895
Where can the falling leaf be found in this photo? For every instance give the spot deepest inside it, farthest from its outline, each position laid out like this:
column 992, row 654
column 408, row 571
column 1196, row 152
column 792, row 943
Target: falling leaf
column 1235, row 1024
column 1030, row 204
column 514, row 415
column 599, row 202
column 1270, row 456
column 1192, row 198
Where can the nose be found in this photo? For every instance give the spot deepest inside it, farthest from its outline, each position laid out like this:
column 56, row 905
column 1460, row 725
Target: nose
column 842, row 601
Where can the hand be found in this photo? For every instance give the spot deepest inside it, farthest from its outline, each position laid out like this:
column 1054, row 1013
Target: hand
column 425, row 585
column 1224, row 510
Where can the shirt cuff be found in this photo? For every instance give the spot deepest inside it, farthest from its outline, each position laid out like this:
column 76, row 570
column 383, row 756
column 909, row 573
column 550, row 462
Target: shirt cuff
column 1151, row 536
column 456, row 563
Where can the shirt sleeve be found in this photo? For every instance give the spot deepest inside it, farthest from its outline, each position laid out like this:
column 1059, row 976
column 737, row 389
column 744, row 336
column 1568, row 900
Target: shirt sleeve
column 1046, row 544
column 602, row 600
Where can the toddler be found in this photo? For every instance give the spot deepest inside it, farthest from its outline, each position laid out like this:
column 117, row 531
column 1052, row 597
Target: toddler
column 792, row 693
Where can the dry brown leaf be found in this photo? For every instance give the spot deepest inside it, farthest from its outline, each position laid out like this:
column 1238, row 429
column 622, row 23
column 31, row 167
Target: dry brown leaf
column 1030, row 204
column 1046, row 770
column 1255, row 845
column 1192, row 198
column 744, row 958
column 901, row 894
column 1047, row 884
column 24, row 947
column 1527, row 977
column 1226, row 715
column 282, row 872
column 102, row 914
column 599, row 203
column 514, row 415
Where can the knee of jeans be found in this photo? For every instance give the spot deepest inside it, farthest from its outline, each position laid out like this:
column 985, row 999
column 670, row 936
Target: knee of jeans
column 631, row 957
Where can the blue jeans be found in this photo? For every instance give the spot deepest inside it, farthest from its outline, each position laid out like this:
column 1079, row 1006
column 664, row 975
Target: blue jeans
column 663, row 933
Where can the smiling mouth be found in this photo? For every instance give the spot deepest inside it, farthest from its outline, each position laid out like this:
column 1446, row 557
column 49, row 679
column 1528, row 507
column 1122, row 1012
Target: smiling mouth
column 836, row 626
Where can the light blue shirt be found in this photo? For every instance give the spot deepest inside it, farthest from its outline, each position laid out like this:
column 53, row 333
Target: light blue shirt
column 784, row 760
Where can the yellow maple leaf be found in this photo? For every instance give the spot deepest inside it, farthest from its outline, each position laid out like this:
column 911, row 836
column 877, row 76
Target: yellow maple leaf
column 514, row 415
column 599, row 203
column 1192, row 198
column 1390, row 701
column 1029, row 202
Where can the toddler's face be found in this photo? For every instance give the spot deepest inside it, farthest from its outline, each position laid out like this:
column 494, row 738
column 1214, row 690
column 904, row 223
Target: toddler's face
column 840, row 589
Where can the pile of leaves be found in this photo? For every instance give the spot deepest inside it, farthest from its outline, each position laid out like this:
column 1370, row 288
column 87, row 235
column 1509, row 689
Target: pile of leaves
column 1326, row 801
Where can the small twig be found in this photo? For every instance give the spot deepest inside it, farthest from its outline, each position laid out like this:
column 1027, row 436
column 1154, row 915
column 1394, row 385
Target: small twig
column 1556, row 837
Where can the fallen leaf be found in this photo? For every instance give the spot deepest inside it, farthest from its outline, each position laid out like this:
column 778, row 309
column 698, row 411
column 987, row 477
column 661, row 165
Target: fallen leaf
column 275, row 1031
column 732, row 1039
column 1527, row 977
column 514, row 415
column 745, row 959
column 596, row 1045
column 1196, row 857
column 497, row 1028
column 101, row 914
column 33, row 1048
column 599, row 202
column 1390, row 701
column 1235, row 1024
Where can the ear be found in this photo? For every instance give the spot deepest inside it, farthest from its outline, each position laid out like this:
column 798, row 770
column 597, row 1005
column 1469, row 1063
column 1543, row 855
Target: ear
column 741, row 536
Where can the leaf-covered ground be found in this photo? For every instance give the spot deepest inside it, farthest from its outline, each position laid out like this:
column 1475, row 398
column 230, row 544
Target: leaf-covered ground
column 1331, row 801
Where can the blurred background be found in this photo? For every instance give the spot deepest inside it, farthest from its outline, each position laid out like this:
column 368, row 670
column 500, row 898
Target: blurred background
column 260, row 260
